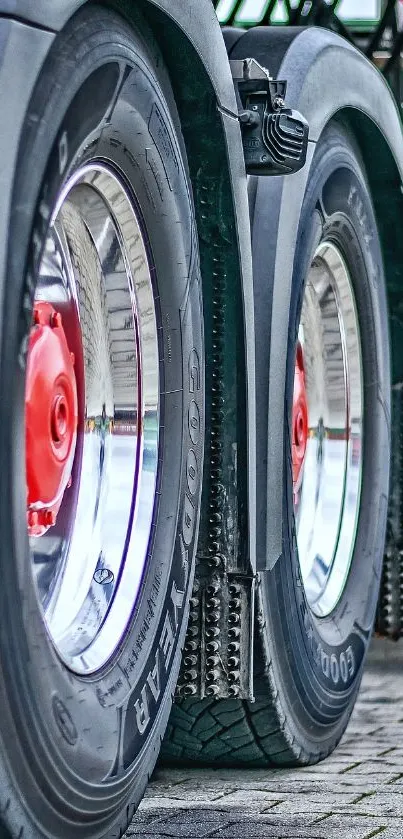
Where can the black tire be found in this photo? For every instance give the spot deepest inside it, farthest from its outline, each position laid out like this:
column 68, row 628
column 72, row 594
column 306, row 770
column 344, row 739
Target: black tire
column 307, row 668
column 76, row 752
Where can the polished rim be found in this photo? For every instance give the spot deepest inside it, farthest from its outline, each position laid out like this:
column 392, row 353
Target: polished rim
column 327, row 456
column 90, row 511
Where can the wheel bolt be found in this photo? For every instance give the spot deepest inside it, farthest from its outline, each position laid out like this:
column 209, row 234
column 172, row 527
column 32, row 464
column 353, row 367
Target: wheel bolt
column 56, row 320
column 32, row 518
column 47, row 518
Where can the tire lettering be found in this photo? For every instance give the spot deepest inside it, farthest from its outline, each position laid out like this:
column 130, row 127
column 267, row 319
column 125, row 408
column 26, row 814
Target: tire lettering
column 334, row 669
column 185, row 560
column 343, row 667
column 334, row 666
column 350, row 661
column 325, row 662
column 194, row 422
column 153, row 685
column 177, row 600
column 142, row 711
column 194, row 372
column 153, row 678
column 355, row 202
column 188, row 521
column 63, row 152
column 64, row 721
column 191, row 471
column 167, row 640
column 160, row 134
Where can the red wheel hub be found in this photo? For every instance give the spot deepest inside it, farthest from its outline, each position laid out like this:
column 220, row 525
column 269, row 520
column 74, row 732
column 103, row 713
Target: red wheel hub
column 299, row 420
column 51, row 418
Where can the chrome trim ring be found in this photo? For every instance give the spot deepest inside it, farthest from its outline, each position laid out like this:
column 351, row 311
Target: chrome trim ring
column 327, row 503
column 97, row 272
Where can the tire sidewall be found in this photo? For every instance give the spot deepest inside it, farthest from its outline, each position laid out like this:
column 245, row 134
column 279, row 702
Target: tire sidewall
column 322, row 668
column 118, row 715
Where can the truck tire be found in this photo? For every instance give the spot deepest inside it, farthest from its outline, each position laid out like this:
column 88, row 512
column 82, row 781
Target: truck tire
column 316, row 605
column 102, row 352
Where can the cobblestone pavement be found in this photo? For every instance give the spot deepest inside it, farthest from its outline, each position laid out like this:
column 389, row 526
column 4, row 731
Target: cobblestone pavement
column 357, row 793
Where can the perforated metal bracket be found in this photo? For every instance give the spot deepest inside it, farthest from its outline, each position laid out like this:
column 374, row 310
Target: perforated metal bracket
column 218, row 650
column 275, row 137
column 219, row 642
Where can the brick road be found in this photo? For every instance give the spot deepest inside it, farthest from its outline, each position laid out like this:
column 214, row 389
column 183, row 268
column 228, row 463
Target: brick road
column 356, row 794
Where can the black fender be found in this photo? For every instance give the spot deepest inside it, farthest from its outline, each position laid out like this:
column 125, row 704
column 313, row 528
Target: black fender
column 189, row 35
column 325, row 76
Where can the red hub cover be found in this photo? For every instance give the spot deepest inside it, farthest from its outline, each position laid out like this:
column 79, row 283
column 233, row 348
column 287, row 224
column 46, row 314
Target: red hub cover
column 50, row 418
column 299, row 420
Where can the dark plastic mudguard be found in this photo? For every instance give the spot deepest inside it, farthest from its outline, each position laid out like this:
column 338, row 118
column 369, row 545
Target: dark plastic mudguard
column 22, row 52
column 325, row 75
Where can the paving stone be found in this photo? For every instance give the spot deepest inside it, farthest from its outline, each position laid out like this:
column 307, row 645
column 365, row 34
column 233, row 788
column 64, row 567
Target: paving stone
column 251, row 798
column 319, row 803
column 327, row 829
column 193, row 825
column 357, row 793
column 381, row 804
column 339, row 826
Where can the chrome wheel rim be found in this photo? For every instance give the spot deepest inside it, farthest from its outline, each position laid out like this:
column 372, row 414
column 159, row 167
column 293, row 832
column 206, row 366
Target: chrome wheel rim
column 327, row 499
column 97, row 272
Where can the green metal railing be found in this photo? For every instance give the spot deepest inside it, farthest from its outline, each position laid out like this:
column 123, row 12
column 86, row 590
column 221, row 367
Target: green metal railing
column 374, row 26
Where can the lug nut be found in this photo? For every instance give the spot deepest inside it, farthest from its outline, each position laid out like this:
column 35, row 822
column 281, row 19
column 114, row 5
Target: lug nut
column 56, row 320
column 32, row 518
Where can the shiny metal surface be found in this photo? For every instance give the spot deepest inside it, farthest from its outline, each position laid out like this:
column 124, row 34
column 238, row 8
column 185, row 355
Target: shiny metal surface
column 96, row 271
column 327, row 503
